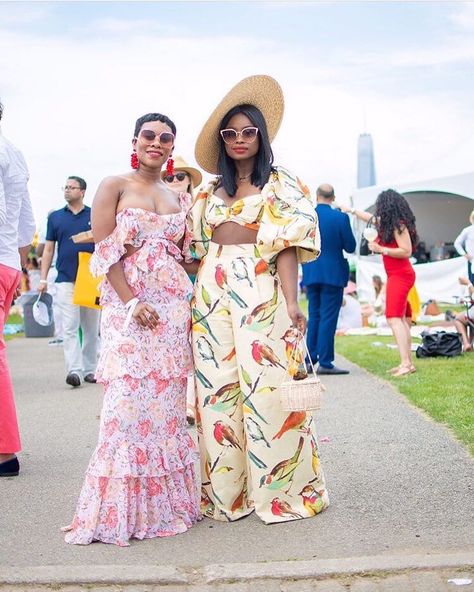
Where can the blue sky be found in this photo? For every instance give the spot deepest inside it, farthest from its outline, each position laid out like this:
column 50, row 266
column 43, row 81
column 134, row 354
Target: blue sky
column 75, row 75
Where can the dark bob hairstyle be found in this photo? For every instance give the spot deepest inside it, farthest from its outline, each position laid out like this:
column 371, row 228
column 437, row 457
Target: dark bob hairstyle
column 264, row 157
column 153, row 117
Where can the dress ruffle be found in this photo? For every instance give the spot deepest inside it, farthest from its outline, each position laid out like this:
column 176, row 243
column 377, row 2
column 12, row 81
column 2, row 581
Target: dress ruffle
column 134, row 459
column 112, row 248
column 116, row 509
column 137, row 484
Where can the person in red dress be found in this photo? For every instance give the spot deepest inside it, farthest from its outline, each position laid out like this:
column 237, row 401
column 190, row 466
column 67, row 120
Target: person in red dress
column 397, row 237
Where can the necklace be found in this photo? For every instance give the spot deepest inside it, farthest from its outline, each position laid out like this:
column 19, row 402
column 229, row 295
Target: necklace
column 244, row 177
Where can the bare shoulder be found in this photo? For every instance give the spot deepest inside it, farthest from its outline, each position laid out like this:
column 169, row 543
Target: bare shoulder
column 114, row 183
column 111, row 189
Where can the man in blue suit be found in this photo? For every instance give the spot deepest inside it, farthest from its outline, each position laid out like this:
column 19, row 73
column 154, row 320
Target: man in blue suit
column 325, row 280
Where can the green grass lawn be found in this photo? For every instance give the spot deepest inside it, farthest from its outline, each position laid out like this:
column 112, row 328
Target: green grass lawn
column 441, row 386
column 14, row 319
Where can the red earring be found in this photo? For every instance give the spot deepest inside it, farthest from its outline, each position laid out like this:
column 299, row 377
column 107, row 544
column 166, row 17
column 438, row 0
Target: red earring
column 170, row 166
column 134, row 161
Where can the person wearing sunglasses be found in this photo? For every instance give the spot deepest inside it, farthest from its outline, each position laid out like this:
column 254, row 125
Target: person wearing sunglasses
column 140, row 482
column 185, row 178
column 250, row 227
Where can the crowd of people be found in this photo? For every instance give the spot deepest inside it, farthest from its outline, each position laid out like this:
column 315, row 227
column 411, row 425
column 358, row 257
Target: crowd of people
column 199, row 319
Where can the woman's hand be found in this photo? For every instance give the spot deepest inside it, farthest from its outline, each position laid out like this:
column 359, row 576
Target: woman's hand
column 146, row 316
column 297, row 317
column 375, row 247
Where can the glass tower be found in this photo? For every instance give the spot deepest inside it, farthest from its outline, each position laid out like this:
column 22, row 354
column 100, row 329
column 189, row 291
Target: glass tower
column 365, row 161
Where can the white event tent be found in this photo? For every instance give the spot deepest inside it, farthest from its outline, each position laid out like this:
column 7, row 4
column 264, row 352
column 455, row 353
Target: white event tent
column 442, row 208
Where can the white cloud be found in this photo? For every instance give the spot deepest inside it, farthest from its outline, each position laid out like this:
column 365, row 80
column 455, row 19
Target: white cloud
column 22, row 14
column 463, row 16
column 71, row 106
column 135, row 27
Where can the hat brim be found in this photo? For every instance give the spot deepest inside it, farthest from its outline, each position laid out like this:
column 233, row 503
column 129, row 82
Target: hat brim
column 263, row 92
column 195, row 174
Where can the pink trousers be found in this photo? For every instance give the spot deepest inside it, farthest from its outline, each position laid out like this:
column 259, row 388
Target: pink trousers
column 9, row 434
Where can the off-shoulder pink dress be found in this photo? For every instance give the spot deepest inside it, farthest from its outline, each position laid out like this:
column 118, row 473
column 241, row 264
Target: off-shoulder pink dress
column 140, row 482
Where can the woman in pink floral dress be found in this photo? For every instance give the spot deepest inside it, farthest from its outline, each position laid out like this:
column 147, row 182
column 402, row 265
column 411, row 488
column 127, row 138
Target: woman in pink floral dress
column 140, row 482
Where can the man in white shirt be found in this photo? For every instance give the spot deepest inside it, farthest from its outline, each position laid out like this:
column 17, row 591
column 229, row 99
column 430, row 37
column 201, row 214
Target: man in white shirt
column 464, row 245
column 17, row 227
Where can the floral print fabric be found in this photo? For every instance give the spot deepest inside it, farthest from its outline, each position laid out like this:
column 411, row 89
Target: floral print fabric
column 140, row 482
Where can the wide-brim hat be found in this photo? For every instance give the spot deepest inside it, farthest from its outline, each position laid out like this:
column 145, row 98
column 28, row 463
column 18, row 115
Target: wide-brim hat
column 181, row 165
column 263, row 92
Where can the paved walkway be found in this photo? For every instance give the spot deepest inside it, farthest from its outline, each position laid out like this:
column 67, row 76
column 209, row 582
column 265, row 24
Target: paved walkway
column 401, row 487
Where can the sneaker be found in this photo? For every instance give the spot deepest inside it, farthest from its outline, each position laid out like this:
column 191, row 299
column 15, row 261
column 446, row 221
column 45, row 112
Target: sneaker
column 73, row 379
column 90, row 378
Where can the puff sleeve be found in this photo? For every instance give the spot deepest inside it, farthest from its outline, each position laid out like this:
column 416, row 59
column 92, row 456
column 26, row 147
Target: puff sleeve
column 198, row 232
column 112, row 248
column 289, row 219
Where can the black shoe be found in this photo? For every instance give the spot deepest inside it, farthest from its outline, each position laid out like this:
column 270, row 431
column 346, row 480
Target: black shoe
column 73, row 379
column 333, row 370
column 10, row 468
column 90, row 378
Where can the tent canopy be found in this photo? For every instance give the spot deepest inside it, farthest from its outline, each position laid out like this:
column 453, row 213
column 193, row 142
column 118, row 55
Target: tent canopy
column 441, row 206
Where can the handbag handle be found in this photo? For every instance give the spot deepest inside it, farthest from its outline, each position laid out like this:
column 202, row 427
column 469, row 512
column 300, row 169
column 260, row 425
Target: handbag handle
column 293, row 353
column 371, row 222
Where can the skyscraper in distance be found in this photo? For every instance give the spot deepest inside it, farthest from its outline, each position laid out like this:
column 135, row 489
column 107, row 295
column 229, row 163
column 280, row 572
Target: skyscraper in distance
column 365, row 161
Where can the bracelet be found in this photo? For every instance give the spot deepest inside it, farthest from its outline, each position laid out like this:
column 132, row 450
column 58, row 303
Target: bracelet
column 132, row 302
column 130, row 306
column 43, row 281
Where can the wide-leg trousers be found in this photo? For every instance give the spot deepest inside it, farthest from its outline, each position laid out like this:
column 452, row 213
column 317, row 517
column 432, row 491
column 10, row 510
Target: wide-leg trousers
column 254, row 455
column 9, row 434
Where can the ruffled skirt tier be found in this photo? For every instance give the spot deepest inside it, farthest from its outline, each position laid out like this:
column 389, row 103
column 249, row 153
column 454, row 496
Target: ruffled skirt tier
column 140, row 482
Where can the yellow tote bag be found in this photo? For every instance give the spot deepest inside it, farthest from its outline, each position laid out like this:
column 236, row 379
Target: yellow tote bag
column 415, row 302
column 86, row 288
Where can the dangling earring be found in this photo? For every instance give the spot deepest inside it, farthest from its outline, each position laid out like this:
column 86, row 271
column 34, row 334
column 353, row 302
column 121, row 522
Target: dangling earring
column 170, row 166
column 134, row 161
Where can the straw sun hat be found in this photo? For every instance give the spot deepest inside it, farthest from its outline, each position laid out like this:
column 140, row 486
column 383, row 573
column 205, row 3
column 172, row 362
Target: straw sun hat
column 181, row 165
column 263, row 92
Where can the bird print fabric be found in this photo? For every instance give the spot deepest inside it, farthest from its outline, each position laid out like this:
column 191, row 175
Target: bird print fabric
column 283, row 215
column 254, row 455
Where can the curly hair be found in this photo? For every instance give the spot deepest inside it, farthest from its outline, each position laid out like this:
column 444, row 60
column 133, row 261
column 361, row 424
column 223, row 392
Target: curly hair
column 394, row 213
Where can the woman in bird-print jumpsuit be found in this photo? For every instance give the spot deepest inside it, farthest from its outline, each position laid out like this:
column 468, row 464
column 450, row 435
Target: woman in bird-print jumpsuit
column 250, row 227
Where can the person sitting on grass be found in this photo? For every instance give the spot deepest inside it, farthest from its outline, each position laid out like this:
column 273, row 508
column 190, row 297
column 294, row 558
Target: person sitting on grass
column 464, row 321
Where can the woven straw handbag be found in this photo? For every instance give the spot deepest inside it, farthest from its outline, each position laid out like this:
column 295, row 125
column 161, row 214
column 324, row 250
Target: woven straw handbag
column 303, row 394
